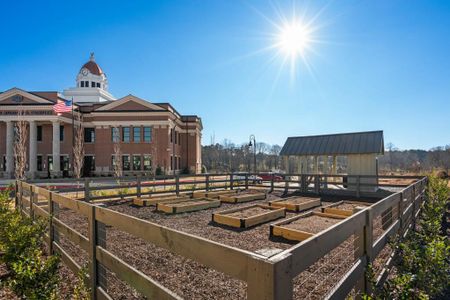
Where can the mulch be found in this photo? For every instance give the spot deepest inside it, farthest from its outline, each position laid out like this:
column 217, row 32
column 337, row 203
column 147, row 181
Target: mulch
column 190, row 279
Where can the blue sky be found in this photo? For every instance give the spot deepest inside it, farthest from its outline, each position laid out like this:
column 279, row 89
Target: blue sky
column 377, row 65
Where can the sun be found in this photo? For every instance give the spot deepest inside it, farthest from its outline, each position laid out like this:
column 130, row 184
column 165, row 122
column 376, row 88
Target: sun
column 293, row 39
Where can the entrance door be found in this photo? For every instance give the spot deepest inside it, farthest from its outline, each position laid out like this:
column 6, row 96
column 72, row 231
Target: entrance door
column 50, row 165
column 88, row 166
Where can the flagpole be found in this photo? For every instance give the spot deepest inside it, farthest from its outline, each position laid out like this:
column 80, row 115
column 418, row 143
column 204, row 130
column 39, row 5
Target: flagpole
column 73, row 140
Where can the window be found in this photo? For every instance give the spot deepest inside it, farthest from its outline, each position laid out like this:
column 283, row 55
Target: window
column 89, row 135
column 171, row 162
column 86, row 84
column 61, row 133
column 176, row 137
column 39, row 133
column 115, row 134
column 39, row 162
column 137, row 134
column 82, row 83
column 64, row 163
column 136, row 162
column 126, row 134
column 50, row 162
column 92, row 84
column 125, row 163
column 4, row 163
column 171, row 135
column 98, row 84
column 147, row 134
column 147, row 163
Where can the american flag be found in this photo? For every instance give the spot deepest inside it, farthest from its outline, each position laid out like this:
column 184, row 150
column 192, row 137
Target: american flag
column 62, row 106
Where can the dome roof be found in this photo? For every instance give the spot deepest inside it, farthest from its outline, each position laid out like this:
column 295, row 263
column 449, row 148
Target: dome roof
column 92, row 66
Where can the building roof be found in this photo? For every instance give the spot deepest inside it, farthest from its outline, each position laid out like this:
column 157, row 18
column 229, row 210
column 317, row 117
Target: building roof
column 92, row 66
column 335, row 144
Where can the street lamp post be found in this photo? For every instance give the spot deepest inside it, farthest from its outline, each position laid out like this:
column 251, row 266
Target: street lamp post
column 253, row 139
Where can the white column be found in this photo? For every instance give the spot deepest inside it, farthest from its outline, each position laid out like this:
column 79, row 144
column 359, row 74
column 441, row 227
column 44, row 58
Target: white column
column 9, row 148
column 56, row 148
column 334, row 170
column 325, row 165
column 316, row 164
column 33, row 149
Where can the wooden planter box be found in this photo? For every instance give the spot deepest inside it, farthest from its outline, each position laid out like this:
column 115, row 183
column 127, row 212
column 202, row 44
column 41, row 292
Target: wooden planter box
column 186, row 205
column 287, row 228
column 242, row 197
column 345, row 208
column 231, row 217
column 152, row 201
column 296, row 203
column 213, row 194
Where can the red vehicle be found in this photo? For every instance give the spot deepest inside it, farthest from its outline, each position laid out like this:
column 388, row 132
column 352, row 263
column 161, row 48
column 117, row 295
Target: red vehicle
column 268, row 176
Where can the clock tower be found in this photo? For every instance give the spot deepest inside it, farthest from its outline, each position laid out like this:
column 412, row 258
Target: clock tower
column 92, row 84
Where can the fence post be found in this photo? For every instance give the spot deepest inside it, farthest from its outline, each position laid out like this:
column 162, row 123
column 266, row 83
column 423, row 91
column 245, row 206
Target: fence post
column 138, row 186
column 358, row 186
column 246, row 181
column 270, row 280
column 50, row 221
column 31, row 201
column 92, row 253
column 368, row 247
column 304, row 187
column 177, row 184
column 272, row 183
column 317, row 184
column 231, row 181
column 16, row 196
column 360, row 247
column 87, row 193
column 286, row 184
column 207, row 182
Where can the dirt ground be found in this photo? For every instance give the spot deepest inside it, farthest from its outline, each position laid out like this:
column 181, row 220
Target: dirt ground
column 190, row 279
column 249, row 212
column 312, row 224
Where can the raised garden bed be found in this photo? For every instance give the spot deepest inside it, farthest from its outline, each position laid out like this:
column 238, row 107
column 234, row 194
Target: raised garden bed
column 345, row 208
column 304, row 226
column 186, row 205
column 154, row 200
column 243, row 197
column 213, row 194
column 296, row 203
column 248, row 216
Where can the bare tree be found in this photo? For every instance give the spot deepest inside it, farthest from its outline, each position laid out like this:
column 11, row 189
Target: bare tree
column 117, row 160
column 20, row 145
column 78, row 150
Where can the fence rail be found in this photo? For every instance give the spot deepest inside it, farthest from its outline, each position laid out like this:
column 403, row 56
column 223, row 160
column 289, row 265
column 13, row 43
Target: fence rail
column 266, row 277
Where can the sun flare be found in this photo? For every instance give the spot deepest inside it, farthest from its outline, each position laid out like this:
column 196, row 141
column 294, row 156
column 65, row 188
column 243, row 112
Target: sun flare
column 293, row 39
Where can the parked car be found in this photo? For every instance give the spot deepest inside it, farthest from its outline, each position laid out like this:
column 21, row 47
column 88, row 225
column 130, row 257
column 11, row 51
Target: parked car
column 251, row 178
column 267, row 176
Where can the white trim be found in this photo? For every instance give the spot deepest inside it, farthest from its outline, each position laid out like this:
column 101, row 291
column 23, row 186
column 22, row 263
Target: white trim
column 15, row 91
column 126, row 99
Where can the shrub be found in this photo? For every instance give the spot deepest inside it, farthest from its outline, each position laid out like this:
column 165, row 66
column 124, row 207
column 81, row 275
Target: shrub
column 35, row 277
column 81, row 290
column 423, row 264
column 32, row 275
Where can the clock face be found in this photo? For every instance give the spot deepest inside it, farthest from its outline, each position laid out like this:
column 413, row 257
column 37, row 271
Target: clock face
column 84, row 72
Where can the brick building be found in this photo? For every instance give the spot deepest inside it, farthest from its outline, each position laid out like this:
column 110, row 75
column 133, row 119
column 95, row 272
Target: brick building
column 149, row 135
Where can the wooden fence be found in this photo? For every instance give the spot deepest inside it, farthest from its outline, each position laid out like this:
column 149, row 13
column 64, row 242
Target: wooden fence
column 266, row 277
